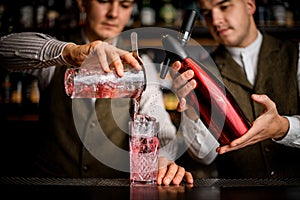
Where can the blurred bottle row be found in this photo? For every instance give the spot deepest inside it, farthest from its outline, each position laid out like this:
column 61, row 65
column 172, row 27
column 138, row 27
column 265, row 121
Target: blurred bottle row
column 277, row 13
column 46, row 15
column 19, row 94
column 170, row 12
column 41, row 15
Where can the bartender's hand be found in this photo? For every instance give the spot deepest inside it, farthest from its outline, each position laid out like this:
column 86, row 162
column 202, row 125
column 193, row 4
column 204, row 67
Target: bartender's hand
column 182, row 85
column 107, row 56
column 268, row 125
column 170, row 173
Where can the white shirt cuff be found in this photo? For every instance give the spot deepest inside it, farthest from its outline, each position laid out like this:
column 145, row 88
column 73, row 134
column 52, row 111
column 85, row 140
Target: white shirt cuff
column 292, row 138
column 202, row 144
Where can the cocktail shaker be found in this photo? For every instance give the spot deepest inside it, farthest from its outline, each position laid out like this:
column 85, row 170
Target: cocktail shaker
column 92, row 82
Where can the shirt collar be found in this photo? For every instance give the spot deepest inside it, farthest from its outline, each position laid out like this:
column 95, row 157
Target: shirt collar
column 253, row 48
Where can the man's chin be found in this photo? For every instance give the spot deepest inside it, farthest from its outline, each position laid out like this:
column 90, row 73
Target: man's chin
column 109, row 35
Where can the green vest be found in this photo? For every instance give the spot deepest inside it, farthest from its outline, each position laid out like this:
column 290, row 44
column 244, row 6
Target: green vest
column 277, row 78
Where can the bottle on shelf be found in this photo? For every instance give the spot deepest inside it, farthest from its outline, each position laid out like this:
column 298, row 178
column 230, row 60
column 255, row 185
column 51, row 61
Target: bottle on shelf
column 27, row 15
column 52, row 15
column 279, row 12
column 148, row 15
column 6, row 86
column 34, row 92
column 168, row 12
column 289, row 15
column 9, row 18
column 16, row 94
column 2, row 9
column 41, row 11
column 16, row 100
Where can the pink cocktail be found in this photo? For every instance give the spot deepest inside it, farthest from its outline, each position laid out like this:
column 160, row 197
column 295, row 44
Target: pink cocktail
column 144, row 146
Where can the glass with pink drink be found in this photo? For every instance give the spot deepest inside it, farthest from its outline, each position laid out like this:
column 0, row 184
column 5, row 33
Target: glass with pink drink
column 144, row 146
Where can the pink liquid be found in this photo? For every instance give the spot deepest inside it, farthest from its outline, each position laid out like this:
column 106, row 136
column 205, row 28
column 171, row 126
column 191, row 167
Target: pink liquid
column 98, row 86
column 144, row 159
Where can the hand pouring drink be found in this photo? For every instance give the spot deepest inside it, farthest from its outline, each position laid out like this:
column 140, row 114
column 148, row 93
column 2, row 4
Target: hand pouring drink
column 92, row 82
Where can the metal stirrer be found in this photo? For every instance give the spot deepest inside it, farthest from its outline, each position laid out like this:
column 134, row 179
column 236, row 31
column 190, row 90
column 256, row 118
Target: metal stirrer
column 134, row 47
